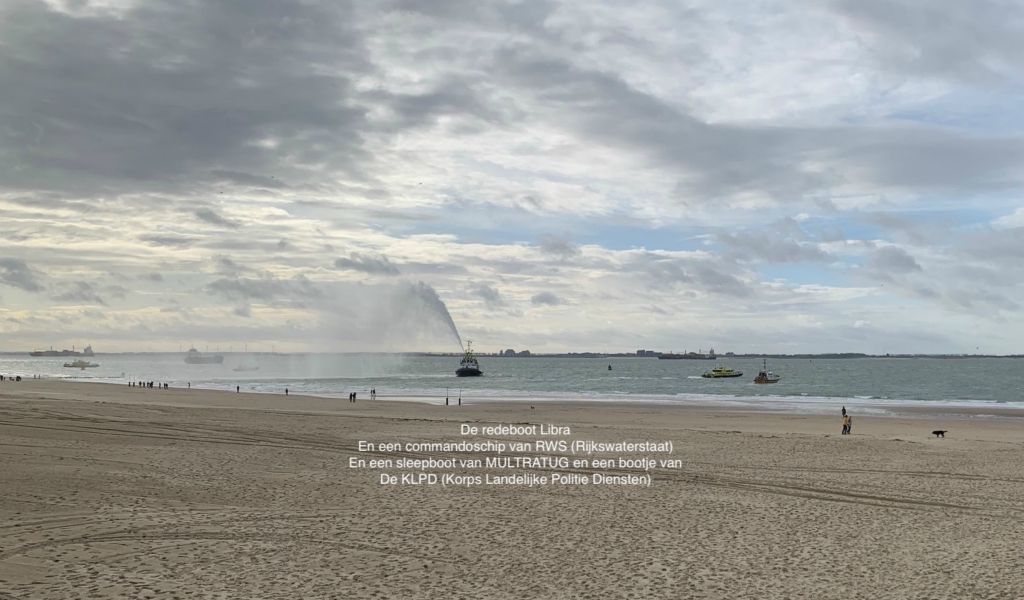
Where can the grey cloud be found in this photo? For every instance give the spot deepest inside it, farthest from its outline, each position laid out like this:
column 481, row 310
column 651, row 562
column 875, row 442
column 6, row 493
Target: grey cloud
column 224, row 265
column 433, row 268
column 16, row 273
column 914, row 231
column 709, row 275
column 1004, row 246
column 297, row 292
column 970, row 298
column 719, row 281
column 957, row 297
column 211, row 217
column 967, row 279
column 166, row 240
column 527, row 17
column 170, row 93
column 80, row 291
column 157, row 277
column 249, row 179
column 761, row 247
column 788, row 163
column 117, row 291
column 365, row 263
column 546, row 298
column 890, row 259
column 242, row 311
column 267, row 289
column 980, row 41
column 450, row 98
column 557, row 245
column 490, row 295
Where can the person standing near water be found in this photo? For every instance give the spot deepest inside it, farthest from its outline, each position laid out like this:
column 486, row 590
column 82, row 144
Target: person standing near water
column 844, row 411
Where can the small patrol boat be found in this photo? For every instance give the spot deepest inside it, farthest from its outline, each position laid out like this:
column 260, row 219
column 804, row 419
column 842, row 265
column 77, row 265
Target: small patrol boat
column 721, row 372
column 766, row 376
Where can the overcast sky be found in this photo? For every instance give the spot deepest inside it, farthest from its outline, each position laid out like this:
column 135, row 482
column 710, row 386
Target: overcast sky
column 754, row 176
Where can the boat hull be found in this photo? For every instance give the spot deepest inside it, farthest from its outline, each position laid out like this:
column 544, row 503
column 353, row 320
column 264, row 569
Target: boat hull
column 726, row 376
column 468, row 372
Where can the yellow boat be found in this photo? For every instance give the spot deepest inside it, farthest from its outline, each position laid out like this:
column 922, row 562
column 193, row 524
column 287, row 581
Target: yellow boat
column 721, row 372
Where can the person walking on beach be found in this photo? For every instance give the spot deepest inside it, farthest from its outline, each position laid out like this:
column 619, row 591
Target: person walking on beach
column 844, row 411
column 849, row 424
column 237, row 388
column 846, row 424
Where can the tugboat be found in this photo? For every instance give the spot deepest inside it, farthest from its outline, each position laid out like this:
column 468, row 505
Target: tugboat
column 80, row 364
column 469, row 367
column 766, row 376
column 195, row 357
column 721, row 372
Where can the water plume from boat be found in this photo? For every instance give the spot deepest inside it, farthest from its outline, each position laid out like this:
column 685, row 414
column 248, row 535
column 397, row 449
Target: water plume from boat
column 406, row 316
column 422, row 298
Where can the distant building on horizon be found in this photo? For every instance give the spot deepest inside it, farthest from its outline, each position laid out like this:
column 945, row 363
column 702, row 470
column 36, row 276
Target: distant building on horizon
column 647, row 353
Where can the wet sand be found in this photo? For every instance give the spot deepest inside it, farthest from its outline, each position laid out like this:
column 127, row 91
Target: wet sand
column 116, row 492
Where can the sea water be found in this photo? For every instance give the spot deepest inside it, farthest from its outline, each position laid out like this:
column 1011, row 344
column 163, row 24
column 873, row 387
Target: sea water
column 807, row 384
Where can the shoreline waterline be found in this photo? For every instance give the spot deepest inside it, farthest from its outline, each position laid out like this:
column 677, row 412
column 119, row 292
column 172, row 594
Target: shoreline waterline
column 816, row 407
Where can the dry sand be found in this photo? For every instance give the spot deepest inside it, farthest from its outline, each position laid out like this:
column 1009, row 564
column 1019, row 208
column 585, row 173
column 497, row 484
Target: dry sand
column 117, row 492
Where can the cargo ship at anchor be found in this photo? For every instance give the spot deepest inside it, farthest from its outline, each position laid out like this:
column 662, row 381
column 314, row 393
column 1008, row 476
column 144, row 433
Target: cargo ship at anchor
column 195, row 357
column 688, row 355
column 51, row 352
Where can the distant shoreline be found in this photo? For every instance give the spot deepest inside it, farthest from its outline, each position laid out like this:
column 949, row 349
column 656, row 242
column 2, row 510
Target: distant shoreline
column 827, row 355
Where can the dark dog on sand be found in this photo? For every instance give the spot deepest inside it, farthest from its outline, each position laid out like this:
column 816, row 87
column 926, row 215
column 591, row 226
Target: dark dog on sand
column 940, row 433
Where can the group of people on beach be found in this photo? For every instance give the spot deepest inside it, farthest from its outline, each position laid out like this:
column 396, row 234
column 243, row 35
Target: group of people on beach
column 148, row 384
column 353, row 395
column 847, row 422
column 11, row 377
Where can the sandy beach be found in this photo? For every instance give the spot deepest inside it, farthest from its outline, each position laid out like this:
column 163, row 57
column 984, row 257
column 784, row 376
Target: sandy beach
column 117, row 492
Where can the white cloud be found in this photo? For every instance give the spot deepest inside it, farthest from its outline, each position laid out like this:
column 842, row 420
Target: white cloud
column 267, row 174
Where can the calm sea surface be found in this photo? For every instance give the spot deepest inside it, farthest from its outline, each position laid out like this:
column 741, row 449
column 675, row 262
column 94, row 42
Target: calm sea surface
column 807, row 384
